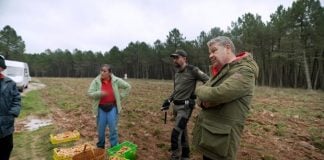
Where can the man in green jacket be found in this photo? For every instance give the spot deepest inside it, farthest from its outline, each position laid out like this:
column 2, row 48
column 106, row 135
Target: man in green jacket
column 183, row 99
column 224, row 100
column 104, row 90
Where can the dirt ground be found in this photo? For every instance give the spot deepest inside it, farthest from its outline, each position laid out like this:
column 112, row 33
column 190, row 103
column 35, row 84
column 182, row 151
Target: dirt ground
column 284, row 123
column 20, row 124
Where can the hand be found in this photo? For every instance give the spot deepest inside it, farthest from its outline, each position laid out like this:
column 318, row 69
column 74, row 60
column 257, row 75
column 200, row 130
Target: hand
column 206, row 105
column 165, row 105
column 203, row 104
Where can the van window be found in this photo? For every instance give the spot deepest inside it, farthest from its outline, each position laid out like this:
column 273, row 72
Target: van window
column 14, row 71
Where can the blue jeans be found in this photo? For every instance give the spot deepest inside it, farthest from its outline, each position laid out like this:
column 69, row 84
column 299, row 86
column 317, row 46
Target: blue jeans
column 111, row 119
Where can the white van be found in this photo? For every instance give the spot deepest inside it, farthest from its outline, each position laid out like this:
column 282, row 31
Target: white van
column 18, row 72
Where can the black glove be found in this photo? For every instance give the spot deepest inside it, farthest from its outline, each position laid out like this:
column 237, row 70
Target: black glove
column 165, row 105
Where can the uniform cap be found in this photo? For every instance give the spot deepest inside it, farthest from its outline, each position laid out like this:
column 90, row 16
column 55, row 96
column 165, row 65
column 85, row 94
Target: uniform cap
column 178, row 53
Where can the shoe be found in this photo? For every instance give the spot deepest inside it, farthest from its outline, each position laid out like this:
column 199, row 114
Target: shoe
column 174, row 158
column 175, row 155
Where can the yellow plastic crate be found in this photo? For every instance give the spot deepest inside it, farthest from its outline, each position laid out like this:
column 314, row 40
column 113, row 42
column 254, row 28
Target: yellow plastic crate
column 65, row 137
column 57, row 156
column 68, row 153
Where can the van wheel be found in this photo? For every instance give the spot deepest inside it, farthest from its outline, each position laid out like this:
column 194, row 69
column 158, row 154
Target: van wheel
column 21, row 89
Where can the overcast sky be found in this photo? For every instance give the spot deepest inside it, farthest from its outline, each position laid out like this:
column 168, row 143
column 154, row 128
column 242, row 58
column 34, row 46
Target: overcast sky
column 98, row 25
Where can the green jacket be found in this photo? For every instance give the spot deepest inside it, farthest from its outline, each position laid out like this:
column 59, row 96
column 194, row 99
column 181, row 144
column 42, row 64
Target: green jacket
column 94, row 91
column 218, row 128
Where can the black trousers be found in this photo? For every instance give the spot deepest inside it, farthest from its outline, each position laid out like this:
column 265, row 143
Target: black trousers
column 179, row 135
column 6, row 145
column 206, row 158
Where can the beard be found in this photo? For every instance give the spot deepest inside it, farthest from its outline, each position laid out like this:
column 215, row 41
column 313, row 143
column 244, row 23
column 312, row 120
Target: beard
column 177, row 65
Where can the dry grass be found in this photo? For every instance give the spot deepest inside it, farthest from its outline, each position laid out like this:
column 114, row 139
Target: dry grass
column 283, row 124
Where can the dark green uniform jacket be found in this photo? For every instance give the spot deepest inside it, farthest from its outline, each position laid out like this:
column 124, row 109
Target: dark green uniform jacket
column 185, row 82
column 219, row 127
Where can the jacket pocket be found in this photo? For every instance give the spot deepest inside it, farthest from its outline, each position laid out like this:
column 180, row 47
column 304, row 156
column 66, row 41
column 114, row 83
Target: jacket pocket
column 7, row 125
column 215, row 137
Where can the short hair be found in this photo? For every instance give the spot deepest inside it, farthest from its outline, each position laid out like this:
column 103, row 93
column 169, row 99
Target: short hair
column 107, row 66
column 222, row 40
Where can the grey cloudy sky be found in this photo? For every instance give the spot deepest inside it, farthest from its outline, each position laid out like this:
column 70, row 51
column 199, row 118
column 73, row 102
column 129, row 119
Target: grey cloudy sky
column 98, row 25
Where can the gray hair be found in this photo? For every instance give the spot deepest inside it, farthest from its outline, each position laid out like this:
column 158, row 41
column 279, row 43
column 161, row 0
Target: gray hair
column 222, row 40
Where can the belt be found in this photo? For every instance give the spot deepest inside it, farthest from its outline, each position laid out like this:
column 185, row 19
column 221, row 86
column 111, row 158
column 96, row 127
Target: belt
column 179, row 102
column 190, row 102
column 107, row 107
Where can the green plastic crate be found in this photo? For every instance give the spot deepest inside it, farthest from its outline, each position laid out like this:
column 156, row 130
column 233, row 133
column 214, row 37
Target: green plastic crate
column 129, row 154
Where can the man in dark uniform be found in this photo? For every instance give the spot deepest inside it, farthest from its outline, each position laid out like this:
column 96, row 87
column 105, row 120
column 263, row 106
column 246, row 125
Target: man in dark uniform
column 183, row 99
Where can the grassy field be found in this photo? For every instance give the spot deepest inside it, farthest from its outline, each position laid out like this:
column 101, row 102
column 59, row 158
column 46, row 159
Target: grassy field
column 283, row 123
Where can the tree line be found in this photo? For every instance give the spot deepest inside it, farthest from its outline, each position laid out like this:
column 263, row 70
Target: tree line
column 289, row 50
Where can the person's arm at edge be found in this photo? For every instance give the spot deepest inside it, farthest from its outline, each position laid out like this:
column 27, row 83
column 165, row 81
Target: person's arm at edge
column 15, row 106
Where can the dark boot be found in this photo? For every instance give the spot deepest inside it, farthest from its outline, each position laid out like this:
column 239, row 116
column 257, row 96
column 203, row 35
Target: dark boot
column 175, row 155
column 185, row 153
